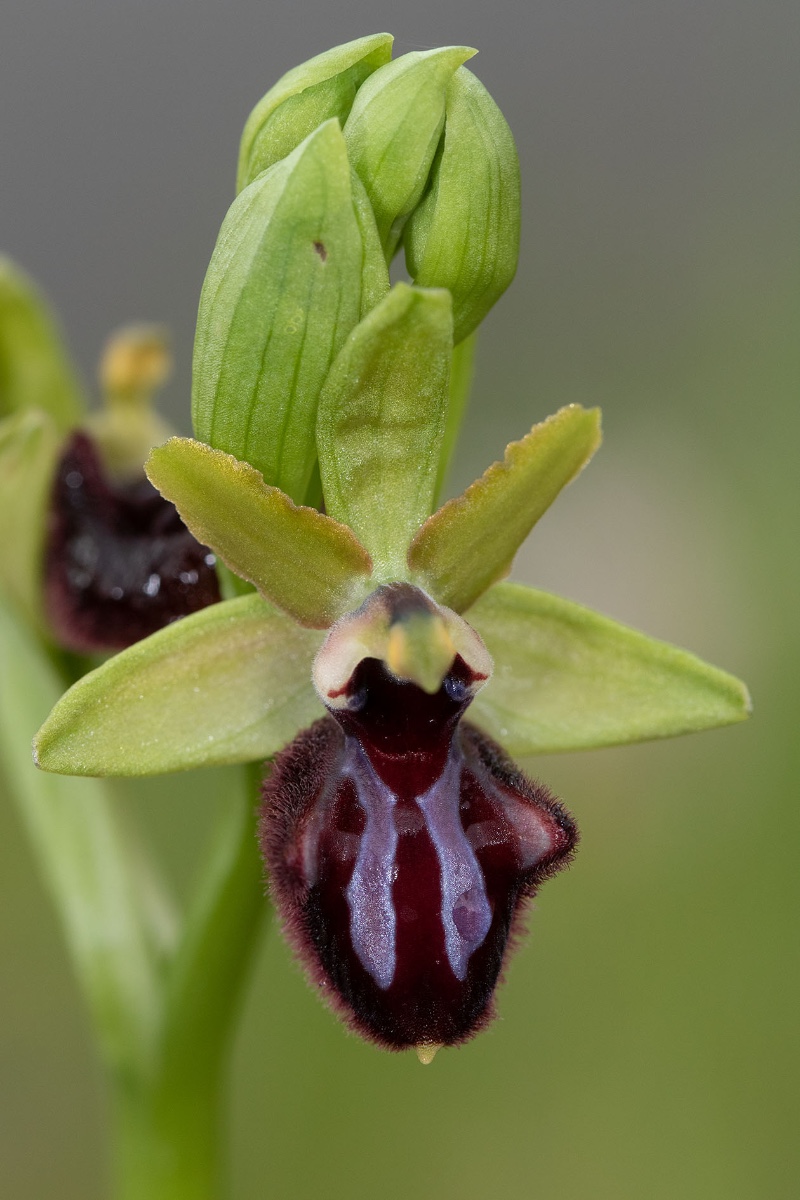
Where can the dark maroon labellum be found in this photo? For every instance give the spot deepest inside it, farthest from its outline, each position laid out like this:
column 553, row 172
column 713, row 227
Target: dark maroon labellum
column 402, row 846
column 119, row 562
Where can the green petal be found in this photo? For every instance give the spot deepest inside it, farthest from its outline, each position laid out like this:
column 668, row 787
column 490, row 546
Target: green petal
column 29, row 446
column 567, row 678
column 464, row 235
column 381, row 420
column 115, row 924
column 470, row 543
column 282, row 292
column 229, row 684
column 394, row 128
column 306, row 563
column 323, row 87
column 35, row 371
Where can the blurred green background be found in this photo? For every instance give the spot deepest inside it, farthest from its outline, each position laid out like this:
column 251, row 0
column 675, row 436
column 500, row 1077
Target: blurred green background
column 647, row 1044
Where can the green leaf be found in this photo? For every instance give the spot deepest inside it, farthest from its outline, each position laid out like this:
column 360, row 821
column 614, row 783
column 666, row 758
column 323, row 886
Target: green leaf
column 393, row 131
column 381, row 420
column 35, row 371
column 283, row 290
column 306, row 563
column 29, row 446
column 567, row 678
column 464, row 234
column 462, row 370
column 471, row 541
column 100, row 895
column 231, row 683
column 317, row 90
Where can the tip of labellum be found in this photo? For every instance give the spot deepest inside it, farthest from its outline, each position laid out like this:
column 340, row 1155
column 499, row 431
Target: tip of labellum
column 426, row 1053
column 119, row 562
column 403, row 846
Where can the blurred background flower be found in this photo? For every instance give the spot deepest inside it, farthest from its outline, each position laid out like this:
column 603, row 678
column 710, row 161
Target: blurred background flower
column 648, row 1046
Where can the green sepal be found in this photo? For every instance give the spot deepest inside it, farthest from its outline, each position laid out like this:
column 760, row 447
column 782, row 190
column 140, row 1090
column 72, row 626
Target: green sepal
column 283, row 290
column 35, row 371
column 309, row 565
column 29, row 447
column 464, row 233
column 567, row 678
column 471, row 541
column 393, row 131
column 381, row 421
column 321, row 88
column 117, row 925
column 228, row 684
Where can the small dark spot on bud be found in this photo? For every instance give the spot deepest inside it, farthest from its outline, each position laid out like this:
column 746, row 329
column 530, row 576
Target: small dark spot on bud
column 321, row 251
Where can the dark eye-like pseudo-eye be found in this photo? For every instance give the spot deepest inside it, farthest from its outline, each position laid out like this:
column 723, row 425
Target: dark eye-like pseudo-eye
column 402, row 843
column 119, row 562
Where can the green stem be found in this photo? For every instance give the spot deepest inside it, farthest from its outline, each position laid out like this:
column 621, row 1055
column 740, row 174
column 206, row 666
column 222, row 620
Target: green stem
column 168, row 1134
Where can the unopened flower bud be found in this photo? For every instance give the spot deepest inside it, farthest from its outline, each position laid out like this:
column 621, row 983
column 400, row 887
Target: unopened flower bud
column 464, row 233
column 305, row 97
column 290, row 276
column 393, row 131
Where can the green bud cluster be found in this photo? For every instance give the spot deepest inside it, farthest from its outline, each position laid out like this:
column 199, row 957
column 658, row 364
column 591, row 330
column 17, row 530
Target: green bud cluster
column 347, row 159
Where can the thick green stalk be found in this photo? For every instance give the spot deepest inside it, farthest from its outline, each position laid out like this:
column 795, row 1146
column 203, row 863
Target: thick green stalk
column 168, row 1135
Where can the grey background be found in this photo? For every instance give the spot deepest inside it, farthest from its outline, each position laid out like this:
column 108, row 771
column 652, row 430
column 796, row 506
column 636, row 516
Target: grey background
column 648, row 1042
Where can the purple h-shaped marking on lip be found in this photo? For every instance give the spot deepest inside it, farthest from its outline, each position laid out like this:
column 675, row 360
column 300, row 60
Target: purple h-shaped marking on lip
column 465, row 912
column 373, row 921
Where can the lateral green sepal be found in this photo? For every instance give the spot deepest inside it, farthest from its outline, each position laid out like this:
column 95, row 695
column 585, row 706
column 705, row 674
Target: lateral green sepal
column 471, row 541
column 29, row 446
column 381, row 420
column 35, row 371
column 393, row 131
column 321, row 88
column 282, row 292
column 567, row 678
column 311, row 566
column 464, row 233
column 229, row 684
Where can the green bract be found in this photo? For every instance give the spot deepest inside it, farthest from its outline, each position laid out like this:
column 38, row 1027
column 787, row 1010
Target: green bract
column 35, row 371
column 464, row 233
column 393, row 131
column 304, row 98
column 286, row 284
